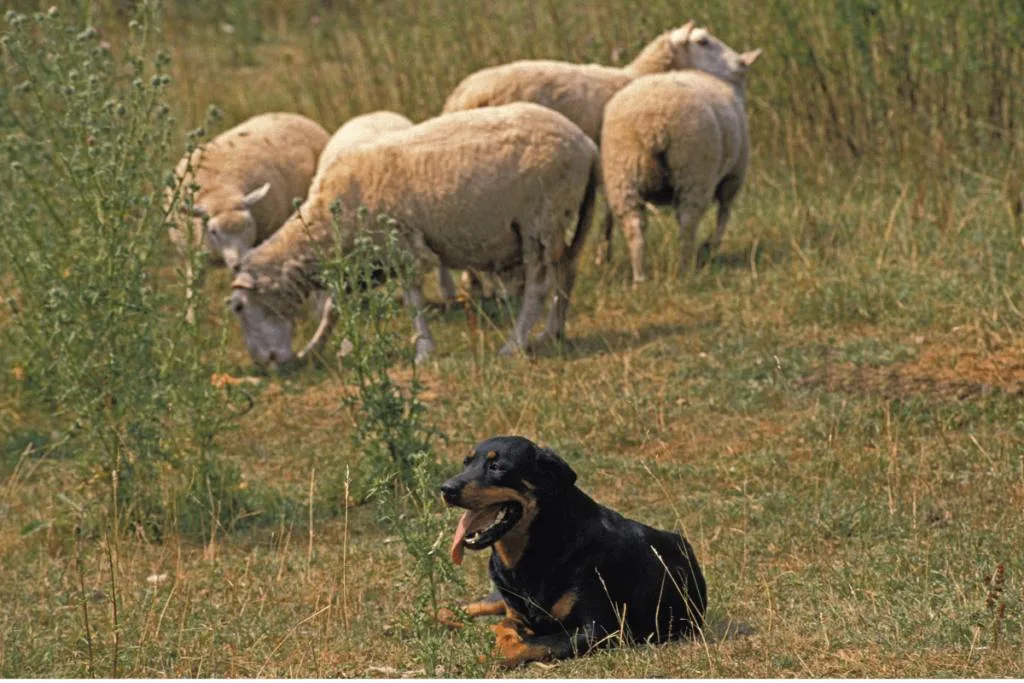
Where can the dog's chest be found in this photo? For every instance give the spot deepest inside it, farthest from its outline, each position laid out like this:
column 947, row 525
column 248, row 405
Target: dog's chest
column 536, row 610
column 532, row 600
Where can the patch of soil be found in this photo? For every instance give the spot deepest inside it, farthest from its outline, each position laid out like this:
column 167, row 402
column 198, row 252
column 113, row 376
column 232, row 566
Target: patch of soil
column 943, row 372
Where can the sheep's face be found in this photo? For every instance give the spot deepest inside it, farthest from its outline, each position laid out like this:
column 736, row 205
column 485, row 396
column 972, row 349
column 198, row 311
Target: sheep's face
column 268, row 332
column 230, row 234
column 698, row 49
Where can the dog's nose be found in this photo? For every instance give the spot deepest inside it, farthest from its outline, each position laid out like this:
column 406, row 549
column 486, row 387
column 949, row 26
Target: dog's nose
column 450, row 490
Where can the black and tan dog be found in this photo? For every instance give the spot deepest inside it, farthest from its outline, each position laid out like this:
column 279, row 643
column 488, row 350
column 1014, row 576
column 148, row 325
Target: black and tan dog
column 573, row 574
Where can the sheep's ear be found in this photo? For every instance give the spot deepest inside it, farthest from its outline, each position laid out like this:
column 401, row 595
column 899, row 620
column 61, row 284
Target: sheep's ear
column 749, row 57
column 243, row 281
column 250, row 200
column 682, row 34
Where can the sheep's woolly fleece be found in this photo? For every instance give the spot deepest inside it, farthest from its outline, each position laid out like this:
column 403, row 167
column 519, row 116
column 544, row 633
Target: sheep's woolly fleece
column 577, row 91
column 358, row 131
column 233, row 170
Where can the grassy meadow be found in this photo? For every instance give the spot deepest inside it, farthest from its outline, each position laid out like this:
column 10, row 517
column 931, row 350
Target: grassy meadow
column 832, row 410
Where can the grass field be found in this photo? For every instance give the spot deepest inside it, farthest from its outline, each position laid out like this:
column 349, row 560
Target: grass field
column 832, row 410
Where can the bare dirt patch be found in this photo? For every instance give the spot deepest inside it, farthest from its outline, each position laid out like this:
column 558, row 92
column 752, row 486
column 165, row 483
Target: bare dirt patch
column 940, row 371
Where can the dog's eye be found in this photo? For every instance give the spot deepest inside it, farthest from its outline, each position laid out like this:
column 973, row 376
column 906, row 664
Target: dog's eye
column 494, row 466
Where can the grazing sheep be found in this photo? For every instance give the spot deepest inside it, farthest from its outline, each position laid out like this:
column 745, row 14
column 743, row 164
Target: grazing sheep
column 358, row 131
column 679, row 138
column 492, row 189
column 247, row 178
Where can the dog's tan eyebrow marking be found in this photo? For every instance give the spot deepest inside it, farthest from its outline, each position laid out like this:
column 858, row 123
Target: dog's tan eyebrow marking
column 491, row 455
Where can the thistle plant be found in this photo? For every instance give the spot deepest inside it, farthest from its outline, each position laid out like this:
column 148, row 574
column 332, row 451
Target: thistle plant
column 86, row 135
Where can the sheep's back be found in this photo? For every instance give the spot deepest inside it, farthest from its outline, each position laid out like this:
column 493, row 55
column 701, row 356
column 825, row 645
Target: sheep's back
column 577, row 91
column 358, row 131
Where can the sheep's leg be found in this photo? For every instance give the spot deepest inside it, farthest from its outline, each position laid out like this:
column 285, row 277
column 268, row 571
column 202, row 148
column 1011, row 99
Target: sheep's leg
column 535, row 292
column 604, row 251
column 724, row 193
column 688, row 215
column 424, row 340
column 633, row 224
column 565, row 277
column 712, row 243
column 446, row 285
column 190, row 308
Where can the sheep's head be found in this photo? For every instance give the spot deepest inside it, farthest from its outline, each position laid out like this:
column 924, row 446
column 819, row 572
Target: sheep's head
column 266, row 324
column 230, row 234
column 696, row 48
column 266, row 309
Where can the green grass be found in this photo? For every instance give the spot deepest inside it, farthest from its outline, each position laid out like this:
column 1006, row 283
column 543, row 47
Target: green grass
column 831, row 410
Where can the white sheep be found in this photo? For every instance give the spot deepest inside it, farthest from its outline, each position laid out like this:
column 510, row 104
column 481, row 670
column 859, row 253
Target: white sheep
column 358, row 131
column 577, row 91
column 491, row 189
column 679, row 138
column 248, row 177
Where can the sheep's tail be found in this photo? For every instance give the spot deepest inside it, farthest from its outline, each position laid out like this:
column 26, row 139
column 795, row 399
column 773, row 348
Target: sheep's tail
column 586, row 212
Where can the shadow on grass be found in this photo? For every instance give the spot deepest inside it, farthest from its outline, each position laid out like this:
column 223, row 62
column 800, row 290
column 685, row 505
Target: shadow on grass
column 719, row 628
column 500, row 315
column 761, row 254
column 609, row 341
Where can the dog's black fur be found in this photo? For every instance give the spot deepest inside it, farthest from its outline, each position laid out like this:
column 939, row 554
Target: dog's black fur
column 574, row 574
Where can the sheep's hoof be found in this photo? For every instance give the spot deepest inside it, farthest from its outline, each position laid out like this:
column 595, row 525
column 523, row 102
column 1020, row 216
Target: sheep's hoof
column 639, row 280
column 511, row 348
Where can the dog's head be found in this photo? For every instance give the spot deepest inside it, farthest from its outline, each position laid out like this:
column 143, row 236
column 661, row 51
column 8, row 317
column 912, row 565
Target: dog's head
column 503, row 484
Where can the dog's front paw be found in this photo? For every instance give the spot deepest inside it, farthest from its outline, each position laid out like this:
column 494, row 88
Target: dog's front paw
column 510, row 646
column 506, row 635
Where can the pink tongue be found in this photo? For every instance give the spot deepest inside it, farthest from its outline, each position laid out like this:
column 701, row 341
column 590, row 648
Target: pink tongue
column 460, row 535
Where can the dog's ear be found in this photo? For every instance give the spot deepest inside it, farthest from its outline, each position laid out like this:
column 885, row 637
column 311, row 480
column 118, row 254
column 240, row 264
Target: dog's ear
column 554, row 467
